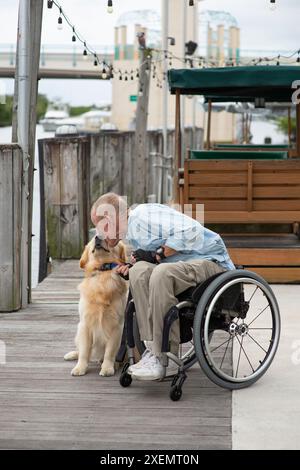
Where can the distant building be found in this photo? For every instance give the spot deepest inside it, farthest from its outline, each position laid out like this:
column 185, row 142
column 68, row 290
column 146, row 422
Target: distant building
column 219, row 37
column 126, row 59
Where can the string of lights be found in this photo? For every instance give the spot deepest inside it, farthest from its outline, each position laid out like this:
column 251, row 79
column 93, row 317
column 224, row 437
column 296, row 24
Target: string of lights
column 157, row 56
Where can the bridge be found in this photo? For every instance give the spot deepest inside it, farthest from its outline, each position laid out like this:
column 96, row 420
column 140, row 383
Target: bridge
column 58, row 61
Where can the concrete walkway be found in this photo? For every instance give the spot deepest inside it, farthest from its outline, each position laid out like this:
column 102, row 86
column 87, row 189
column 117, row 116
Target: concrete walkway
column 267, row 415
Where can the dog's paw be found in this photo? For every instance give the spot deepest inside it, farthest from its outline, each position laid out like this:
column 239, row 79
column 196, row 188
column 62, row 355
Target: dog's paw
column 78, row 370
column 71, row 356
column 107, row 371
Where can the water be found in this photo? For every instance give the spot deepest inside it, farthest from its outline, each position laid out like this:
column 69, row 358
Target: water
column 5, row 137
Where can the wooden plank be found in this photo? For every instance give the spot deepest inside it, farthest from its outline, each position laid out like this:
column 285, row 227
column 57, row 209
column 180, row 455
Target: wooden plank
column 277, row 165
column 218, row 165
column 275, row 192
column 218, row 192
column 280, row 178
column 276, row 205
column 278, row 275
column 265, row 257
column 10, row 228
column 225, row 205
column 215, row 179
column 255, row 216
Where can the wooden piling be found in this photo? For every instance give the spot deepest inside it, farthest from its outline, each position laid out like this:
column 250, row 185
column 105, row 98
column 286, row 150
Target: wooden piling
column 10, row 227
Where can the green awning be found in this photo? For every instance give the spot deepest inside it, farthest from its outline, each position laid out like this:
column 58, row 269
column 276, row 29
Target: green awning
column 235, row 155
column 274, row 83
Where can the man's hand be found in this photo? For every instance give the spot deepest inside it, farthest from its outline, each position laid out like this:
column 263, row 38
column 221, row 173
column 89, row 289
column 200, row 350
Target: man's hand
column 123, row 270
column 167, row 252
column 142, row 255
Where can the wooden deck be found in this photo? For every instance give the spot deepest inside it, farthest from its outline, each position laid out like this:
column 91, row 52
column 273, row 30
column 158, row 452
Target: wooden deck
column 44, row 407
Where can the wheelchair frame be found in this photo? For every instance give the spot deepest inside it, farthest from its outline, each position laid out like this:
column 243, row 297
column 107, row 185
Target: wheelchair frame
column 191, row 310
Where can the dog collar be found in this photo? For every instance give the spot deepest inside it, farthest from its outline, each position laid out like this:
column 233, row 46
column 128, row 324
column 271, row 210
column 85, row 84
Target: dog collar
column 108, row 266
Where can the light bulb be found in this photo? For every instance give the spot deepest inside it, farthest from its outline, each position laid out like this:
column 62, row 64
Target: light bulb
column 59, row 23
column 109, row 6
column 273, row 5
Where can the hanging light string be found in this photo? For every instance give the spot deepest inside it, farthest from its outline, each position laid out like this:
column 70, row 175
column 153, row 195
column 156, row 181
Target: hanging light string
column 108, row 71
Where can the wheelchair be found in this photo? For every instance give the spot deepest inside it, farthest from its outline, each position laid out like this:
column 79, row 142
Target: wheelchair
column 229, row 324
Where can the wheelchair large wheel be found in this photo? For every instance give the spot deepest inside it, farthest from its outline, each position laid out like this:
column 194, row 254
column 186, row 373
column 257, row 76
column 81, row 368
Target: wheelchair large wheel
column 236, row 329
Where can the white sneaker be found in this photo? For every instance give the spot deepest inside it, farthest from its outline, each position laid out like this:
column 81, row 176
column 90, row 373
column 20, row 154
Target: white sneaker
column 151, row 370
column 144, row 359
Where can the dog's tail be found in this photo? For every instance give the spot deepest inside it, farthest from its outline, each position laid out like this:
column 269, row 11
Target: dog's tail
column 71, row 356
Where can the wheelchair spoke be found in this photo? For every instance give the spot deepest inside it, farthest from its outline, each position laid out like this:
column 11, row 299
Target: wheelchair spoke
column 257, row 343
column 260, row 328
column 246, row 355
column 238, row 364
column 258, row 315
column 227, row 341
column 253, row 294
column 224, row 354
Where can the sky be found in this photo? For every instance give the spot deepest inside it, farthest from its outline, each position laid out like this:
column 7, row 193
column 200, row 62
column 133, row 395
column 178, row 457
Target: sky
column 261, row 29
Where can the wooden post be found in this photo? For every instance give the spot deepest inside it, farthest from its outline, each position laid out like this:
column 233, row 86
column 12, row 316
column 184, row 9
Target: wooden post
column 289, row 126
column 177, row 159
column 298, row 129
column 10, row 228
column 141, row 157
column 208, row 125
column 67, row 203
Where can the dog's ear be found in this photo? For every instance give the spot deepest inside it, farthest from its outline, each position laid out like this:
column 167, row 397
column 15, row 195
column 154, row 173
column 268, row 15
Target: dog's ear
column 84, row 257
column 123, row 255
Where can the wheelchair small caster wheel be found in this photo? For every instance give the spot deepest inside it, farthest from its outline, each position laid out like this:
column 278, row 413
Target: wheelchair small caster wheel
column 125, row 380
column 175, row 393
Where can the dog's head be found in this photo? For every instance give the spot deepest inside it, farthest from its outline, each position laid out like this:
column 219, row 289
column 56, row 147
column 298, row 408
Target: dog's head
column 97, row 252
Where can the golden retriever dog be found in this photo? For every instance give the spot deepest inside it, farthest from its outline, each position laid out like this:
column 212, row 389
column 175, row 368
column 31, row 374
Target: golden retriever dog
column 103, row 295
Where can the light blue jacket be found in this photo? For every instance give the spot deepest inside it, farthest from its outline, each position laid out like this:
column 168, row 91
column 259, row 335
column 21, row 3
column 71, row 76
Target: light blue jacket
column 153, row 225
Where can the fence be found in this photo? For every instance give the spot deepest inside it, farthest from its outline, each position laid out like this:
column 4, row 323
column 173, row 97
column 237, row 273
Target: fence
column 74, row 171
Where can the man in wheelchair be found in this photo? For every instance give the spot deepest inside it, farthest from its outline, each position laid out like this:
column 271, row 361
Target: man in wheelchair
column 172, row 252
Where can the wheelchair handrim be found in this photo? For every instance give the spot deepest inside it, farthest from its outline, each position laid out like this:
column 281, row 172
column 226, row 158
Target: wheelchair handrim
column 275, row 331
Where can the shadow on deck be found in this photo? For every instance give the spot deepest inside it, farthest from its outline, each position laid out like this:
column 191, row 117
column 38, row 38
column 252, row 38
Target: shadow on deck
column 43, row 407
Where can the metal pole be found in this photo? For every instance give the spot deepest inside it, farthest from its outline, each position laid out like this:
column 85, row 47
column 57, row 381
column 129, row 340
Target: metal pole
column 177, row 160
column 165, row 34
column 298, row 129
column 23, row 134
column 183, row 99
column 208, row 125
column 195, row 38
column 289, row 126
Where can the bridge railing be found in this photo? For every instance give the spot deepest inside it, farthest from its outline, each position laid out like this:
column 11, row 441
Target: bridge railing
column 61, row 56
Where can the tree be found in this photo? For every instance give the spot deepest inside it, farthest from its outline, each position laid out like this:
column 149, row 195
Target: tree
column 283, row 126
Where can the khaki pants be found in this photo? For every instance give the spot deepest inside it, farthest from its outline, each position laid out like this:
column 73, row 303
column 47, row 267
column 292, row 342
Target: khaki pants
column 154, row 289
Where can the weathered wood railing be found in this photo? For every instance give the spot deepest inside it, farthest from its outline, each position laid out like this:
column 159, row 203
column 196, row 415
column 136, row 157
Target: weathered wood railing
column 10, row 226
column 75, row 171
